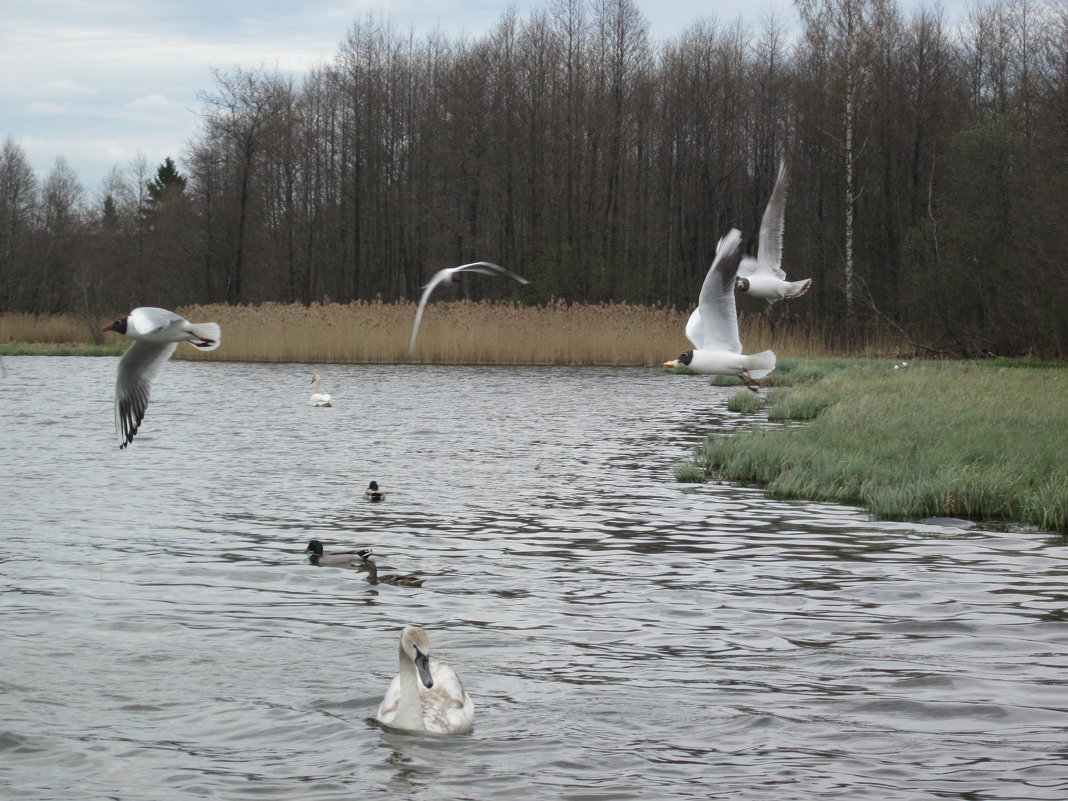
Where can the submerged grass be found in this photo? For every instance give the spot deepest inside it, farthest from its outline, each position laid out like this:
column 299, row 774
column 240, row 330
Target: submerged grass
column 456, row 332
column 977, row 440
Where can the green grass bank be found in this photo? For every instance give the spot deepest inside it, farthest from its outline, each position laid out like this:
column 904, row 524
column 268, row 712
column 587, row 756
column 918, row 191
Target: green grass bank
column 986, row 441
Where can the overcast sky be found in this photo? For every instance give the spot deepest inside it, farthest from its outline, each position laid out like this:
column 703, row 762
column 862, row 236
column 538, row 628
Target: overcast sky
column 100, row 81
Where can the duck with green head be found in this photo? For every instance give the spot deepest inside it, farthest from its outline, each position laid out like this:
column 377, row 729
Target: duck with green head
column 335, row 558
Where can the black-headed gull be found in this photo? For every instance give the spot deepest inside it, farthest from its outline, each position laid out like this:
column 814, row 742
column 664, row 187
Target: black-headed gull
column 426, row 695
column 454, row 274
column 319, row 398
column 713, row 326
column 156, row 333
column 763, row 276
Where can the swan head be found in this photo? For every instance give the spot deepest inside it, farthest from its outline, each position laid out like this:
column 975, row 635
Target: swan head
column 315, row 378
column 314, row 547
column 415, row 644
column 119, row 326
column 742, row 284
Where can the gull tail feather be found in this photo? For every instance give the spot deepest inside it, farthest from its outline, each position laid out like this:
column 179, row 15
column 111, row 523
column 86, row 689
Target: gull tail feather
column 760, row 364
column 799, row 288
column 209, row 333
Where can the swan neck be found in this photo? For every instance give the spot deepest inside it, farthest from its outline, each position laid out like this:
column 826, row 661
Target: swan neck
column 409, row 707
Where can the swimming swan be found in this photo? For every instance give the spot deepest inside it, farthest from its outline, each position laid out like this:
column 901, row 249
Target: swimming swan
column 425, row 695
column 156, row 333
column 319, row 398
column 335, row 559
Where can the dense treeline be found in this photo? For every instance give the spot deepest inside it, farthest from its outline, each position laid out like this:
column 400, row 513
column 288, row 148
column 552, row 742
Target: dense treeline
column 929, row 164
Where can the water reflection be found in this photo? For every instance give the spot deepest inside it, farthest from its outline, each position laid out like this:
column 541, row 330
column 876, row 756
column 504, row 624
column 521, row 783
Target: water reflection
column 624, row 636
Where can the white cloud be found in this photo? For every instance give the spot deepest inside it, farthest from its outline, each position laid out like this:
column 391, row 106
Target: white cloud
column 150, row 102
column 48, row 108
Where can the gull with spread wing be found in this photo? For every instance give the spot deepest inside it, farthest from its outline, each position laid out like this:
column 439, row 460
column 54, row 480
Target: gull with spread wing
column 713, row 325
column 763, row 276
column 455, row 274
column 156, row 333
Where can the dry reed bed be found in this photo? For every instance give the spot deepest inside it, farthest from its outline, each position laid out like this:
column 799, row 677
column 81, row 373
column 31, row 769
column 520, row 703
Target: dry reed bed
column 457, row 332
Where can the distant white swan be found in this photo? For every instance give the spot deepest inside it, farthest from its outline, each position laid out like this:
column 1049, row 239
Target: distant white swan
column 763, row 276
column 425, row 695
column 455, row 274
column 713, row 326
column 319, row 398
column 156, row 333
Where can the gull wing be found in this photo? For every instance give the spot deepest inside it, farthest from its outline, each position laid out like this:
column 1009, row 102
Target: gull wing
column 772, row 228
column 694, row 331
column 489, row 268
column 137, row 368
column 439, row 276
column 719, row 319
column 485, row 267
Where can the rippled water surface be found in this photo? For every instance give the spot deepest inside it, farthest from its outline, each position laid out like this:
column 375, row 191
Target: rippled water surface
column 623, row 636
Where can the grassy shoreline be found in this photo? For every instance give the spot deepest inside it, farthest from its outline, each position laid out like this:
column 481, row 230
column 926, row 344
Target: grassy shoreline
column 977, row 440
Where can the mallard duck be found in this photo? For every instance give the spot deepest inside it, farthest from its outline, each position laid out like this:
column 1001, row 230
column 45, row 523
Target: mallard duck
column 396, row 579
column 425, row 695
column 373, row 493
column 319, row 398
column 337, row 558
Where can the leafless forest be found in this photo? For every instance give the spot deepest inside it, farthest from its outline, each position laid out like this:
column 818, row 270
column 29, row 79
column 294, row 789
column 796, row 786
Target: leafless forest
column 928, row 157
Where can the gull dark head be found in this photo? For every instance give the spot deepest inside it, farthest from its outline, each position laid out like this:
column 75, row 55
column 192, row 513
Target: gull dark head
column 742, row 284
column 119, row 326
column 686, row 357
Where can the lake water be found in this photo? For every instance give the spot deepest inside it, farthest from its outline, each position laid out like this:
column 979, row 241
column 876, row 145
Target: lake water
column 623, row 636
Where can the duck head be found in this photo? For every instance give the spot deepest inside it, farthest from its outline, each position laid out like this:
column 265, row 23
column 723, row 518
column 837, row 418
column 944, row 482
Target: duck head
column 315, row 548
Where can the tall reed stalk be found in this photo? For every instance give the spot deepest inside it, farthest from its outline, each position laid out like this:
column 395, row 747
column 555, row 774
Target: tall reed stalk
column 461, row 332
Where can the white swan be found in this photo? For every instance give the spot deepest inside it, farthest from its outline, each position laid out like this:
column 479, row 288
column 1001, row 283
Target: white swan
column 713, row 326
column 319, row 398
column 455, row 274
column 763, row 277
column 156, row 333
column 425, row 695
